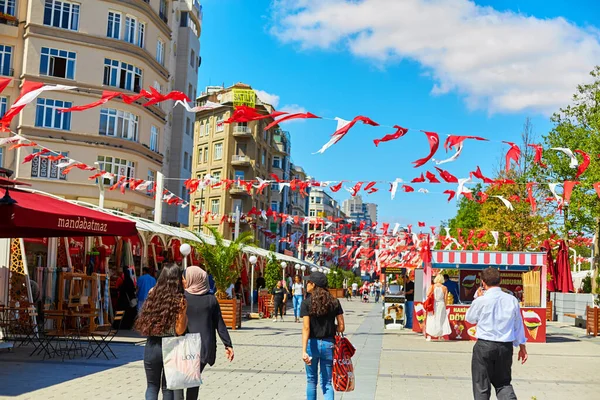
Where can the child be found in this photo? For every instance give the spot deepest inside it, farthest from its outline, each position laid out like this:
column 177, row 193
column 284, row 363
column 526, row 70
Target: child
column 349, row 294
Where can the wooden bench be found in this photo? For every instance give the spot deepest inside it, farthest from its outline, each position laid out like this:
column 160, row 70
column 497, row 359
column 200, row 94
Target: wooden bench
column 592, row 320
column 572, row 315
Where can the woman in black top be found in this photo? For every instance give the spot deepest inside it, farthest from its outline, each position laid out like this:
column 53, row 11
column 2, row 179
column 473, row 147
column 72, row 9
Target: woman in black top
column 126, row 294
column 204, row 317
column 279, row 298
column 319, row 314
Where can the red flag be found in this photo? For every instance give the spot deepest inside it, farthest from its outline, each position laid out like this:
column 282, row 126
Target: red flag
column 356, row 188
column 290, row 116
column 538, row 155
column 420, row 179
column 131, row 99
column 567, row 190
column 27, row 87
column 19, row 145
column 31, row 156
column 584, row 165
column 454, row 140
column 477, row 174
column 121, row 180
column 421, row 224
column 4, row 83
column 482, row 197
column 106, row 96
column 450, row 193
column 530, row 198
column 157, row 97
column 514, row 153
column 434, row 144
column 597, row 188
column 407, row 188
column 431, row 177
column 370, row 188
column 342, row 131
column 447, row 176
column 400, row 131
column 246, row 114
column 336, row 188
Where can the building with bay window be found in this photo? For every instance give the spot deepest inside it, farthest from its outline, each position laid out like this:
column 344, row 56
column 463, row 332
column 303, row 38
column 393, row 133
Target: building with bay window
column 123, row 46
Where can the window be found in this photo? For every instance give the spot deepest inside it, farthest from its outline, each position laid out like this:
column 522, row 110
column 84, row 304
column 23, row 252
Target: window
column 199, row 155
column 47, row 115
column 218, row 151
column 239, row 175
column 190, row 161
column 220, row 125
column 187, row 21
column 274, row 186
column 264, row 157
column 118, row 123
column 1, row 156
column 311, row 213
column 185, row 160
column 190, row 91
column 192, row 58
column 41, row 167
column 61, row 14
column 216, row 175
column 130, row 24
column 214, row 206
column 154, row 138
column 117, row 166
column 206, row 154
column 160, row 51
column 6, row 60
column 58, row 63
column 7, row 7
column 3, row 106
column 237, row 205
column 275, row 206
column 276, row 162
column 318, row 200
column 113, row 29
column 122, row 75
column 151, row 178
column 266, row 135
column 312, row 200
column 188, row 124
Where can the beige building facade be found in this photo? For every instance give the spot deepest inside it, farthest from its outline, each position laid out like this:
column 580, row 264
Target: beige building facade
column 236, row 151
column 121, row 46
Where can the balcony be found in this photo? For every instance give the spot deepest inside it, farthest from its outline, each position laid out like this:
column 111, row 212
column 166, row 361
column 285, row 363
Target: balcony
column 7, row 19
column 241, row 161
column 242, row 132
column 238, row 190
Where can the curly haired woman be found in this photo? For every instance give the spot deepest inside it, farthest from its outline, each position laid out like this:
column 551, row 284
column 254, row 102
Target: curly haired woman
column 163, row 314
column 319, row 313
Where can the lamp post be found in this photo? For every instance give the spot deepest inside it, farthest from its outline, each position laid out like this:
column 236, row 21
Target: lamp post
column 314, row 269
column 253, row 261
column 185, row 251
column 297, row 268
column 283, row 265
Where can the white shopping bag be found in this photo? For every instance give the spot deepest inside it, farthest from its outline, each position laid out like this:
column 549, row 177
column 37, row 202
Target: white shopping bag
column 181, row 360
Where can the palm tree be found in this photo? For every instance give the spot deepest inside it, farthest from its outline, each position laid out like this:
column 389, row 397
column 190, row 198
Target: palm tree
column 221, row 258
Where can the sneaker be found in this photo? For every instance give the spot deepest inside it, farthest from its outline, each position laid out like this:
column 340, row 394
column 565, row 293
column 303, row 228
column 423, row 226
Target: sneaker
column 428, row 338
column 275, row 319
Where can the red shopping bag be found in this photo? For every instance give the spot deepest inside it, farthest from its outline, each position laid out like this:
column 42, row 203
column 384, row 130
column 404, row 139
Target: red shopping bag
column 343, row 371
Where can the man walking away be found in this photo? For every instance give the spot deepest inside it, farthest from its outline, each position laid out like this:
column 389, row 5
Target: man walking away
column 377, row 291
column 499, row 328
column 452, row 288
column 144, row 284
column 354, row 289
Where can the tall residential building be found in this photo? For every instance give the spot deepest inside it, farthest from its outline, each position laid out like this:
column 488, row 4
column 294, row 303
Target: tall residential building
column 358, row 211
column 299, row 208
column 323, row 206
column 238, row 151
column 280, row 196
column 185, row 62
column 95, row 45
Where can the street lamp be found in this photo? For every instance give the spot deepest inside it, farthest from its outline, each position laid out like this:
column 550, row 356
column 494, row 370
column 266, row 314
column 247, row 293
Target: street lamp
column 253, row 261
column 185, row 251
column 297, row 268
column 320, row 269
column 283, row 265
column 313, row 269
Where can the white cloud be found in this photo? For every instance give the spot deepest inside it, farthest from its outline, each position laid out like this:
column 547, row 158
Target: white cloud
column 268, row 98
column 499, row 61
column 293, row 109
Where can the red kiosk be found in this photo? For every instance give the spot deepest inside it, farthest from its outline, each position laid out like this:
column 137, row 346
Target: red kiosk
column 523, row 275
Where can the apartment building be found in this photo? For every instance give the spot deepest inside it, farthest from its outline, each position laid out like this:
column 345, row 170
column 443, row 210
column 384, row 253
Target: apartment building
column 94, row 45
column 299, row 208
column 237, row 151
column 280, row 196
column 358, row 211
column 185, row 62
column 322, row 205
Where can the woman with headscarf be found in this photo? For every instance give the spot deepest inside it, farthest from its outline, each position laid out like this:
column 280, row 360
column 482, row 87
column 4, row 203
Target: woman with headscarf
column 204, row 317
column 127, row 299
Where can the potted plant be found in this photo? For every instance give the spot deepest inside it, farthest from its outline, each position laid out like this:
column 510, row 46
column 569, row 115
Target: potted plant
column 222, row 262
column 335, row 281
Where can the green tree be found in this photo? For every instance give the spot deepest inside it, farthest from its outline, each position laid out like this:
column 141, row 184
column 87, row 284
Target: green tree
column 577, row 127
column 272, row 270
column 221, row 257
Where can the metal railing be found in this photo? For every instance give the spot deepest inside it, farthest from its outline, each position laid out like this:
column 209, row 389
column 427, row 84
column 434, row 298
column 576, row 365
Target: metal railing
column 240, row 159
column 242, row 129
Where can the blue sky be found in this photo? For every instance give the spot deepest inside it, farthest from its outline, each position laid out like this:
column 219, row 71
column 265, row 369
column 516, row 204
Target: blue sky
column 480, row 69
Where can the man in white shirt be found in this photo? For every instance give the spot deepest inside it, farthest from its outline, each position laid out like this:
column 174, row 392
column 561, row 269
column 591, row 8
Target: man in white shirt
column 499, row 328
column 354, row 289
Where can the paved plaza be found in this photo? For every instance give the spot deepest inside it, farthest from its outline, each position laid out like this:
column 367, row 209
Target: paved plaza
column 267, row 365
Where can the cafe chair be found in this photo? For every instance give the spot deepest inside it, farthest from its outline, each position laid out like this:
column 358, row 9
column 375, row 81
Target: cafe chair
column 103, row 336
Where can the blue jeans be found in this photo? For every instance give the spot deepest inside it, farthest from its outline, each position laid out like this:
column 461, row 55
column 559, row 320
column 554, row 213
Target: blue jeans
column 297, row 303
column 321, row 351
column 409, row 313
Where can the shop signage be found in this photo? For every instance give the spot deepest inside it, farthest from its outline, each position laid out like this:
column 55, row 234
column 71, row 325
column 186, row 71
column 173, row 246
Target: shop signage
column 510, row 281
column 244, row 97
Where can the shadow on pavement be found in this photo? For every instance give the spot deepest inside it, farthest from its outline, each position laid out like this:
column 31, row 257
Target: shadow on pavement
column 21, row 374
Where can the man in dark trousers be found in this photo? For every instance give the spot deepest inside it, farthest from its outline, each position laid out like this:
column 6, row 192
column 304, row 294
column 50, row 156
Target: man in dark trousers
column 499, row 328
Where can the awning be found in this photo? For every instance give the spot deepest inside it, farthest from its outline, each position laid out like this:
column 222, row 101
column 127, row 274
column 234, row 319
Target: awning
column 36, row 215
column 483, row 259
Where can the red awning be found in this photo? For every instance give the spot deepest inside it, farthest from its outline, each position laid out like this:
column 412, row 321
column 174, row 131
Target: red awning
column 35, row 215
